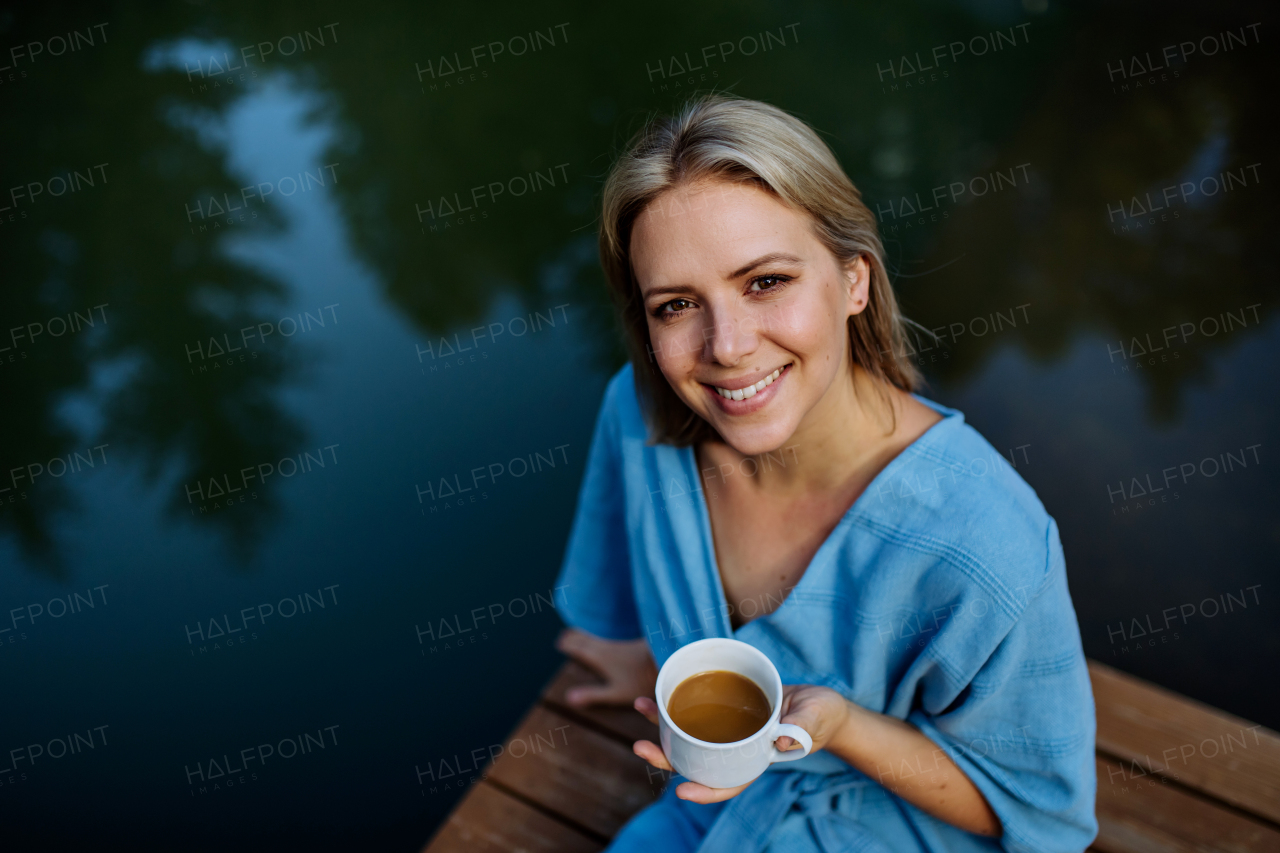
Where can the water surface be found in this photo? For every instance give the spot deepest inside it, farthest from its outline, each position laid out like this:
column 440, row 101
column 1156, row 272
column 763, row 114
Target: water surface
column 304, row 337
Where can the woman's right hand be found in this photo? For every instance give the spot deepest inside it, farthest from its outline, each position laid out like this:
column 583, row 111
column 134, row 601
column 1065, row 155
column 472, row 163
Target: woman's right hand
column 652, row 753
column 626, row 665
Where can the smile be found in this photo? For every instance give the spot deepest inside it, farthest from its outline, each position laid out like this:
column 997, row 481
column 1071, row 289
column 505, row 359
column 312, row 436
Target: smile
column 750, row 390
column 741, row 401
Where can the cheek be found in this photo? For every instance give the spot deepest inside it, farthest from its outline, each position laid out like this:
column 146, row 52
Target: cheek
column 675, row 347
column 676, row 368
column 812, row 328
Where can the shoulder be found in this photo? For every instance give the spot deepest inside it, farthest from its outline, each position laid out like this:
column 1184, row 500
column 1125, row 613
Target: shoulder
column 622, row 383
column 952, row 494
column 621, row 404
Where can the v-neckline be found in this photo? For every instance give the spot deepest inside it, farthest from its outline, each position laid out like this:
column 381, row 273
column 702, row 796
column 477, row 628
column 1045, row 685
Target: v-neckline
column 712, row 563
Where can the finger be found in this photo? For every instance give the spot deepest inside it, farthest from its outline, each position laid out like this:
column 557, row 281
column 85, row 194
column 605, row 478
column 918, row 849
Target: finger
column 566, row 638
column 596, row 694
column 696, row 793
column 652, row 753
column 575, row 644
column 648, row 707
column 808, row 718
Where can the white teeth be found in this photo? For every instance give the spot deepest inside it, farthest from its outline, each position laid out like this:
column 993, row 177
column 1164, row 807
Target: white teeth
column 750, row 390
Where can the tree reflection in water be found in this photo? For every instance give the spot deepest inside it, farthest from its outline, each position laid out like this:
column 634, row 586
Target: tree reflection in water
column 1043, row 246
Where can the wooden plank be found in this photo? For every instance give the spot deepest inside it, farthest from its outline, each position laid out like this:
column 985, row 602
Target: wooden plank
column 571, row 770
column 1151, row 728
column 1150, row 815
column 489, row 821
column 568, row 779
column 627, row 724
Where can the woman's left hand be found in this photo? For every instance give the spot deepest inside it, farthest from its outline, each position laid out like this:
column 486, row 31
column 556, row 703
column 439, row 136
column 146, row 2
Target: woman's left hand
column 820, row 711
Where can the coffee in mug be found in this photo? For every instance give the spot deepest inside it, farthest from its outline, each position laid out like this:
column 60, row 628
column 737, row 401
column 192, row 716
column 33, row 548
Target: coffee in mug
column 736, row 747
column 719, row 706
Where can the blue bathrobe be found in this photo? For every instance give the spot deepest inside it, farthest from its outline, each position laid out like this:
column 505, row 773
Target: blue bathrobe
column 940, row 598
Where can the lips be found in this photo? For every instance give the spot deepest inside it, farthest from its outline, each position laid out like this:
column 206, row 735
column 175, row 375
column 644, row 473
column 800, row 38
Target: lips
column 749, row 396
column 750, row 390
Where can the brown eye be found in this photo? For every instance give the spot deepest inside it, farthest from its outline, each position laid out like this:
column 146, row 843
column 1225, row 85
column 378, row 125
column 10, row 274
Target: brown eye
column 774, row 282
column 675, row 306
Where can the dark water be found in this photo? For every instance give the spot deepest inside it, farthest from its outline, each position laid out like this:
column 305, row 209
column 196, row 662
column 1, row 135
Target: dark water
column 234, row 262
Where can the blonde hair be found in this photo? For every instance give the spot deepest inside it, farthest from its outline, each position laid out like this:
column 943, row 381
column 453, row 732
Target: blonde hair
column 743, row 141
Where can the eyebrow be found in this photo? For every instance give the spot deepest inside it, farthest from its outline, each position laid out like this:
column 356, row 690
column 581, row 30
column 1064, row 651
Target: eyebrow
column 772, row 257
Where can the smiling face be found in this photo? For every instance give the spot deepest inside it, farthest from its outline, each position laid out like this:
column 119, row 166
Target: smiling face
column 747, row 309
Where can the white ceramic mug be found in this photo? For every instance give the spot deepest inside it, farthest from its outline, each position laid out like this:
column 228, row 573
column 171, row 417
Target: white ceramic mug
column 725, row 765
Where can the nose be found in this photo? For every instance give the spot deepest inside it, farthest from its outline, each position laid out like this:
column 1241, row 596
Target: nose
column 732, row 334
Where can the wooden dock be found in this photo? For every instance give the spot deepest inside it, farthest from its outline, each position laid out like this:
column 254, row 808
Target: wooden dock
column 1173, row 775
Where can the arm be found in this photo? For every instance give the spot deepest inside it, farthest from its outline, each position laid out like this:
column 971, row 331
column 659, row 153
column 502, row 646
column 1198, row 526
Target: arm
column 901, row 758
column 893, row 752
column 594, row 587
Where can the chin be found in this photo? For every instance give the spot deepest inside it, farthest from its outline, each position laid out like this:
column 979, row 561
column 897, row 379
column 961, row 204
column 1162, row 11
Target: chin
column 757, row 439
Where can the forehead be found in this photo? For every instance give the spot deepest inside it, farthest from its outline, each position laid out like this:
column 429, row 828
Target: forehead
column 713, row 227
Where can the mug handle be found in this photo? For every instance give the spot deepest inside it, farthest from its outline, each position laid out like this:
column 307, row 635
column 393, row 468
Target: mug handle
column 796, row 733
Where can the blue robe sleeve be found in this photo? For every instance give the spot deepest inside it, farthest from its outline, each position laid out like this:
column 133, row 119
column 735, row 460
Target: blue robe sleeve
column 596, row 593
column 1024, row 728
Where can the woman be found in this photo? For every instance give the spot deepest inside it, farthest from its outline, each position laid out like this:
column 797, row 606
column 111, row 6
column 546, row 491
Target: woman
column 762, row 470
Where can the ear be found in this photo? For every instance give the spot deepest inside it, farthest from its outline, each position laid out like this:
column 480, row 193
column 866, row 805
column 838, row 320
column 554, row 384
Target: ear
column 857, row 275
